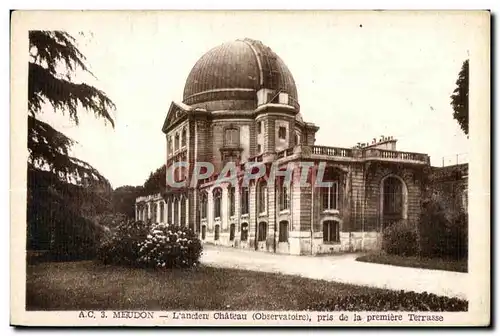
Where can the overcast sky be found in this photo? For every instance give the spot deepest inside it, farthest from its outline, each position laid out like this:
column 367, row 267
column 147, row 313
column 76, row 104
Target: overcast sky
column 358, row 76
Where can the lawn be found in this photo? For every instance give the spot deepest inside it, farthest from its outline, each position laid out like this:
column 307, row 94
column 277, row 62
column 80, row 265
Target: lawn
column 89, row 285
column 416, row 262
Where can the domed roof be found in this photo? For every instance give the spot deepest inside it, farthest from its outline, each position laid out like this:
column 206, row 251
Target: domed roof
column 237, row 70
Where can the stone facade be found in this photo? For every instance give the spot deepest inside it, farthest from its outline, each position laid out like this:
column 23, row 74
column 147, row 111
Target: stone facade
column 242, row 120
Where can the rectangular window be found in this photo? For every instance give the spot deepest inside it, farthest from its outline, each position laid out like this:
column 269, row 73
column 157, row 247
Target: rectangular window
column 232, row 202
column 231, row 137
column 259, row 148
column 331, row 232
column 283, row 195
column 282, row 132
column 330, row 197
column 244, row 201
column 259, row 127
column 283, row 233
column 262, row 234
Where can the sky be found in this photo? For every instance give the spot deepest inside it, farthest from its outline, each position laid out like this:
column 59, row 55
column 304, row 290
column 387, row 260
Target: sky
column 359, row 75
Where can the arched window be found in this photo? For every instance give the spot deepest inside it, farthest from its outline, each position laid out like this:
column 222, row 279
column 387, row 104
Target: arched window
column 203, row 205
column 232, row 201
column 203, row 232
column 154, row 212
column 231, row 137
column 331, row 232
column 283, row 194
column 330, row 194
column 393, row 194
column 169, row 212
column 283, row 232
column 162, row 212
column 297, row 138
column 244, row 200
column 262, row 234
column 232, row 228
column 244, row 232
column 262, row 197
column 183, row 212
column 184, row 137
column 217, row 193
column 217, row 232
column 393, row 197
column 177, row 212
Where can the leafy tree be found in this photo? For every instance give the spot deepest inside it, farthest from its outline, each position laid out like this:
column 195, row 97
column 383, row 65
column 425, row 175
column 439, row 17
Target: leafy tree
column 64, row 192
column 124, row 199
column 460, row 98
column 156, row 181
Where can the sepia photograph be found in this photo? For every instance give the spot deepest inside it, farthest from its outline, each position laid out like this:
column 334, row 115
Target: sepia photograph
column 266, row 168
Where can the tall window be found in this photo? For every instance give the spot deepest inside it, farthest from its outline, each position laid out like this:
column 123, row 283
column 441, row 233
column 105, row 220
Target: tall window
column 262, row 196
column 284, row 194
column 244, row 201
column 232, row 201
column 393, row 197
column 331, row 232
column 330, row 194
column 162, row 212
column 217, row 193
column 183, row 212
column 231, row 137
column 203, row 232
column 184, row 137
column 177, row 141
column 169, row 144
column 169, row 213
column 262, row 234
column 232, row 228
column 244, row 232
column 283, row 233
column 259, row 127
column 177, row 212
column 154, row 211
column 217, row 232
column 203, row 205
column 282, row 132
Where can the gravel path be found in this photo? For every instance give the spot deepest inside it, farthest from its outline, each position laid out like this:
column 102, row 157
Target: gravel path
column 341, row 268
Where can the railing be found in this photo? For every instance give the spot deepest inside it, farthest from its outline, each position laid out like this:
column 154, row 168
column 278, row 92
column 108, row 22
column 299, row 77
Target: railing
column 332, row 151
column 395, row 155
column 257, row 158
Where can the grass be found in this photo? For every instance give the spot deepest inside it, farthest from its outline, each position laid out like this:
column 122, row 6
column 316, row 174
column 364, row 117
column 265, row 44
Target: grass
column 86, row 285
column 416, row 262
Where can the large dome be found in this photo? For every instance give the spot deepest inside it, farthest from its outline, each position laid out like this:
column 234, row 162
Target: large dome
column 236, row 71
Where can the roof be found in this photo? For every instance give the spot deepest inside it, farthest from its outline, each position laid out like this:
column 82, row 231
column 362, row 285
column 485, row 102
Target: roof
column 237, row 70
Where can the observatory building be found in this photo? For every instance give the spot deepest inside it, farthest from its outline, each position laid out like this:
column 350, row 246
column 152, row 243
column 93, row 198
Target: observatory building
column 240, row 105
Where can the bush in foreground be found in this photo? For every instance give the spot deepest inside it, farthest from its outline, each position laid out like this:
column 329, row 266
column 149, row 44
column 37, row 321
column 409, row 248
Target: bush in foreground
column 135, row 243
column 170, row 246
column 391, row 301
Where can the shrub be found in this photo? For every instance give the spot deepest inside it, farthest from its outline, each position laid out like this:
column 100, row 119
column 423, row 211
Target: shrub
column 401, row 239
column 391, row 301
column 135, row 243
column 120, row 246
column 168, row 246
column 441, row 236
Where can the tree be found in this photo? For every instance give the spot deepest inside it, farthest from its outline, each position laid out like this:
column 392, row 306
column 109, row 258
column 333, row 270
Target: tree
column 460, row 98
column 64, row 192
column 156, row 182
column 124, row 199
